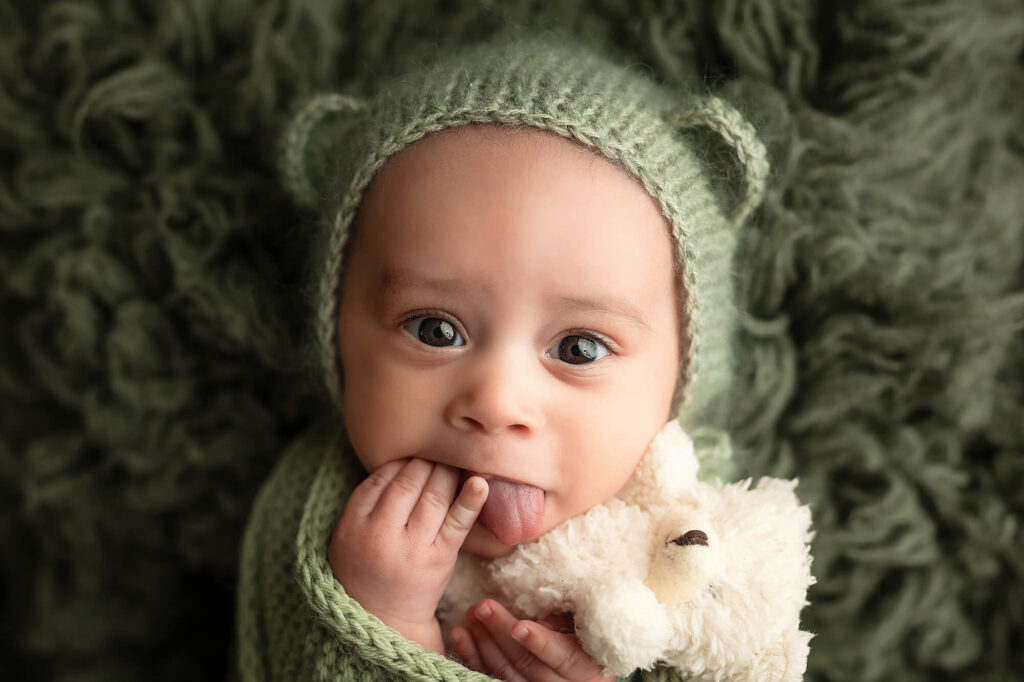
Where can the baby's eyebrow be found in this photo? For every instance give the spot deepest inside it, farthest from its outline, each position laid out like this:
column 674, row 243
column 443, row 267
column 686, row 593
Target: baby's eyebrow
column 392, row 280
column 606, row 307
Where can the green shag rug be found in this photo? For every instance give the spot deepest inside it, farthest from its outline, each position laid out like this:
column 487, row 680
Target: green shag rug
column 153, row 310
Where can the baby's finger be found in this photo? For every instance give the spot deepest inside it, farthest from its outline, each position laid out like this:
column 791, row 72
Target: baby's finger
column 465, row 648
column 496, row 661
column 560, row 652
column 463, row 513
column 365, row 496
column 402, row 493
column 434, row 501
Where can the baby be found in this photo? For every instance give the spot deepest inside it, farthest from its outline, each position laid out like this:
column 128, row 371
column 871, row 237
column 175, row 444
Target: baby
column 508, row 315
column 524, row 261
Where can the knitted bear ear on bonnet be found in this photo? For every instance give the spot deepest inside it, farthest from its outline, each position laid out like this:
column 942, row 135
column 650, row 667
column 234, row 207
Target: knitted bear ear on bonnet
column 336, row 143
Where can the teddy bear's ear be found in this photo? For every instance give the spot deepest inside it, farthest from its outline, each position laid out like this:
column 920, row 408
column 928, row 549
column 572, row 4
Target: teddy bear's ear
column 315, row 139
column 728, row 145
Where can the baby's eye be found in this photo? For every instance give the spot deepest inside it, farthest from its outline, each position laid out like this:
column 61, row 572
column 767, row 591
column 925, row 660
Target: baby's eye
column 579, row 350
column 434, row 331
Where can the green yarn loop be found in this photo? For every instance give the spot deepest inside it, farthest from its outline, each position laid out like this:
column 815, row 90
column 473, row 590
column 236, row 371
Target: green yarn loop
column 295, row 141
column 727, row 122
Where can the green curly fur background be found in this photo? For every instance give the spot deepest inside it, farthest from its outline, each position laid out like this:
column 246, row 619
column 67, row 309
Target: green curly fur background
column 153, row 308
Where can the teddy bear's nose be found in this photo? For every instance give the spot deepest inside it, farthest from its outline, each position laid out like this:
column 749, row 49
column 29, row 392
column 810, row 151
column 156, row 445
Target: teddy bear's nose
column 692, row 537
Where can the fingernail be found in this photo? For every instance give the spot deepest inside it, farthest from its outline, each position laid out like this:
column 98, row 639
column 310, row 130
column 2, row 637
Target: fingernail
column 520, row 632
column 484, row 612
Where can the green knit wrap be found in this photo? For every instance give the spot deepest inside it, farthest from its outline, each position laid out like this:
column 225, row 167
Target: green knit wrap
column 337, row 144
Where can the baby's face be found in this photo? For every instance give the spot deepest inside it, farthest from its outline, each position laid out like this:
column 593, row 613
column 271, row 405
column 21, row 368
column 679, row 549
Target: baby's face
column 508, row 309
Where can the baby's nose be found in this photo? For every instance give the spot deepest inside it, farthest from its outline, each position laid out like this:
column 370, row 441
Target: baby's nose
column 495, row 398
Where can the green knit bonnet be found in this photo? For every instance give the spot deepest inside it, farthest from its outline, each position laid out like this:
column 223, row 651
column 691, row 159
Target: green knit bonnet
column 336, row 144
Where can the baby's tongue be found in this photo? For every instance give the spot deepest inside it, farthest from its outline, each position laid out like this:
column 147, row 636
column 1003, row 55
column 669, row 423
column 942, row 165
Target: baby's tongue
column 513, row 511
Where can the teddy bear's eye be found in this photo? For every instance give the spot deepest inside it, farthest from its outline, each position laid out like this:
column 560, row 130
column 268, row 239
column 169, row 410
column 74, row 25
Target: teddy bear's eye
column 691, row 537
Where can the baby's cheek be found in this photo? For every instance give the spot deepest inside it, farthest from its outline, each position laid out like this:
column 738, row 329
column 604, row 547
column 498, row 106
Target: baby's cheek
column 369, row 433
column 374, row 406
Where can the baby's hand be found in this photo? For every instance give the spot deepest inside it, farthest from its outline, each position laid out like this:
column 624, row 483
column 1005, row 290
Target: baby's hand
column 543, row 653
column 394, row 548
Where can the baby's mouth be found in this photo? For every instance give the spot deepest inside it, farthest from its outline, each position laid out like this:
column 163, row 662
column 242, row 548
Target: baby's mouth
column 513, row 511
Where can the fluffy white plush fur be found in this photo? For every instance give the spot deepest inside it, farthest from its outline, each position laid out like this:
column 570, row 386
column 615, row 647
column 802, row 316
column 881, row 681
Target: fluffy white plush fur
column 709, row 579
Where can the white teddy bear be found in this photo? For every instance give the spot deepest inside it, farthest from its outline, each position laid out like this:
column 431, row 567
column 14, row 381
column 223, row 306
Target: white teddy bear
column 707, row 579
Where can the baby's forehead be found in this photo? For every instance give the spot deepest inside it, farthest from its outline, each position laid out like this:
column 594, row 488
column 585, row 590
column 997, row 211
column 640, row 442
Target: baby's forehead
column 472, row 214
column 482, row 178
column 445, row 170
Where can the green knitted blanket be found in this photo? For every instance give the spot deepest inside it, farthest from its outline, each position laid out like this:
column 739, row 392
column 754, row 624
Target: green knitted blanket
column 152, row 358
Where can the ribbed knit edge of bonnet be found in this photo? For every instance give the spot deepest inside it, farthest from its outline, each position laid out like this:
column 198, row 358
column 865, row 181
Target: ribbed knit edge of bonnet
column 336, row 144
